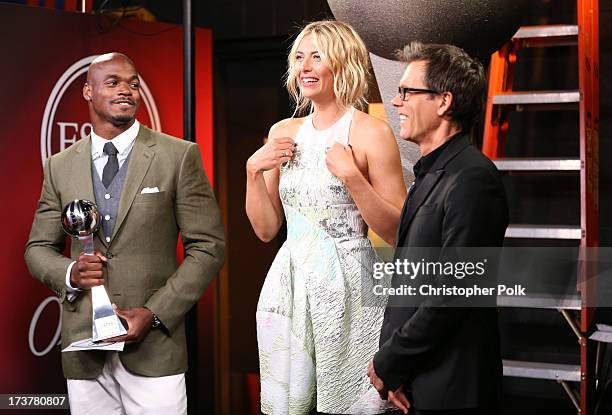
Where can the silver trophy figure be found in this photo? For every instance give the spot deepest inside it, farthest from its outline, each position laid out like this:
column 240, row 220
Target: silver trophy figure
column 81, row 220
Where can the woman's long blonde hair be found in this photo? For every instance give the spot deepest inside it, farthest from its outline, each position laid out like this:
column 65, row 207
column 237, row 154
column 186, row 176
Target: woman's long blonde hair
column 345, row 53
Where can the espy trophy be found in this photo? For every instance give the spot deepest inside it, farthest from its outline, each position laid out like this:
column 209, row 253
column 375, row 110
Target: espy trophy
column 81, row 220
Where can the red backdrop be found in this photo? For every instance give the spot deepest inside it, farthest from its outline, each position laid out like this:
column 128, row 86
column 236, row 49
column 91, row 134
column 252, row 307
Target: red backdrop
column 38, row 47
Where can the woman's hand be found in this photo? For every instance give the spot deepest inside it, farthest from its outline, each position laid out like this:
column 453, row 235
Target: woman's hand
column 271, row 155
column 341, row 162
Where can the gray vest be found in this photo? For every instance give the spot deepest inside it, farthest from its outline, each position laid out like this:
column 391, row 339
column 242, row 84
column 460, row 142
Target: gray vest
column 108, row 199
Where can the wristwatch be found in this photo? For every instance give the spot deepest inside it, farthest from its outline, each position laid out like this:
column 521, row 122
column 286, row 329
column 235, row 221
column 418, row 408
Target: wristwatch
column 156, row 321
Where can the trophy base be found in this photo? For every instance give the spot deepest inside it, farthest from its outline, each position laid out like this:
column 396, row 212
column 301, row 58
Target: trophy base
column 107, row 327
column 106, row 323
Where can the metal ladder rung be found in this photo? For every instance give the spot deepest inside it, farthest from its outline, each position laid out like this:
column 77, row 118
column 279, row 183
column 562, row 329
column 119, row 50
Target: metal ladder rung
column 546, row 31
column 537, row 97
column 544, row 232
column 541, row 301
column 539, row 370
column 537, row 164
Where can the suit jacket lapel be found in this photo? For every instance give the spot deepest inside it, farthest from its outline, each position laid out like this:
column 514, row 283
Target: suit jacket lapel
column 139, row 163
column 416, row 200
column 429, row 182
column 81, row 176
column 81, row 171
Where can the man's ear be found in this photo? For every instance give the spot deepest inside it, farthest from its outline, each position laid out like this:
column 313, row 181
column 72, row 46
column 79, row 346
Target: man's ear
column 87, row 92
column 446, row 103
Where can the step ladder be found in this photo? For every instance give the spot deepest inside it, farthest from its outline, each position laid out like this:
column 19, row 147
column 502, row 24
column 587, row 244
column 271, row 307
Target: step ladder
column 501, row 100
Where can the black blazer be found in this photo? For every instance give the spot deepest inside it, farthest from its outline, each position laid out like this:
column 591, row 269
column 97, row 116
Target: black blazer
column 448, row 358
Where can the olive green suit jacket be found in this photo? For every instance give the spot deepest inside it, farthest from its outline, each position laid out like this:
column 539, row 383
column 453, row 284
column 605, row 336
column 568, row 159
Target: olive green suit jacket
column 142, row 268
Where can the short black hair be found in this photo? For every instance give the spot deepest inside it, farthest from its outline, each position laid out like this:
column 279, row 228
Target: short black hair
column 450, row 69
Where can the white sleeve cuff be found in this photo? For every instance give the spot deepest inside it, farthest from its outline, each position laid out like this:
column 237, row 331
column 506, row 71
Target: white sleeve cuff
column 71, row 292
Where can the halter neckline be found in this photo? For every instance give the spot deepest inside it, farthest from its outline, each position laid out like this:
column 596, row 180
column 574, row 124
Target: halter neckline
column 310, row 120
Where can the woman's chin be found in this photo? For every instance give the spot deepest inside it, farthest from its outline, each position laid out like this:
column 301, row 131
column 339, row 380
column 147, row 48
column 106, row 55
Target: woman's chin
column 306, row 93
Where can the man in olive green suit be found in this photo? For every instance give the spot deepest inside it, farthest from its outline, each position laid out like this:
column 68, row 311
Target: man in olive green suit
column 148, row 187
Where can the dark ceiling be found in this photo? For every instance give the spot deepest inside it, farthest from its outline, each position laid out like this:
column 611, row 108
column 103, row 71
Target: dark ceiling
column 233, row 19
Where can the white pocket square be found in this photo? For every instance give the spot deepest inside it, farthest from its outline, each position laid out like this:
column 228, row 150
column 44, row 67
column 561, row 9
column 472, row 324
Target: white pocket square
column 149, row 190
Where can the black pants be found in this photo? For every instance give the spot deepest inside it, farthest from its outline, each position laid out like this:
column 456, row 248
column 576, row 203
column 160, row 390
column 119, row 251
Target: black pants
column 471, row 411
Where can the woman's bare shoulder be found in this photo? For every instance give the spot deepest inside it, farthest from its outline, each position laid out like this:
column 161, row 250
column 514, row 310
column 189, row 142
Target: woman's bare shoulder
column 370, row 129
column 286, row 128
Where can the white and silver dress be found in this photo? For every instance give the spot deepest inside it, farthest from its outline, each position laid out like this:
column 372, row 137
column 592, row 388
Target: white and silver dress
column 317, row 324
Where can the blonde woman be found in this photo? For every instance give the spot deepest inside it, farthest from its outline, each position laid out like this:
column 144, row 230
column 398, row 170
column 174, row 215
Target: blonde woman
column 331, row 174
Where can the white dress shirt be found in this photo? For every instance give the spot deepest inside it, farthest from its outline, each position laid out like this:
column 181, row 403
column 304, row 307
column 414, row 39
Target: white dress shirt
column 124, row 143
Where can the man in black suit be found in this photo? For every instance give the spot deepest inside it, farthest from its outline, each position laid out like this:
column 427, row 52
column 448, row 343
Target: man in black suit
column 443, row 360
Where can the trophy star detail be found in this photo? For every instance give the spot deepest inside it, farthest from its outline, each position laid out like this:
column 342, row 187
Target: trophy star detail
column 81, row 220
